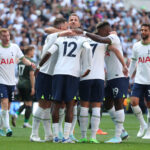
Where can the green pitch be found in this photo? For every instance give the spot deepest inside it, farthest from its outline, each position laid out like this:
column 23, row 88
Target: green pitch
column 20, row 138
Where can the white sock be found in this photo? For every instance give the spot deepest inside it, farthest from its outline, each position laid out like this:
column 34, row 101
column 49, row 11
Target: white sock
column 84, row 121
column 112, row 115
column 5, row 119
column 138, row 113
column 95, row 121
column 148, row 117
column 67, row 127
column 1, row 122
column 120, row 117
column 47, row 123
column 55, row 127
column 37, row 117
column 61, row 118
column 74, row 120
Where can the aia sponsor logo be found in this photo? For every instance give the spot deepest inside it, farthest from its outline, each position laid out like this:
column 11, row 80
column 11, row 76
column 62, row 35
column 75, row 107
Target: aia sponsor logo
column 144, row 59
column 7, row 61
column 107, row 53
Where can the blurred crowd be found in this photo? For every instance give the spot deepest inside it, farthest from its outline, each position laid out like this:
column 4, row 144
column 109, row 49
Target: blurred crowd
column 27, row 19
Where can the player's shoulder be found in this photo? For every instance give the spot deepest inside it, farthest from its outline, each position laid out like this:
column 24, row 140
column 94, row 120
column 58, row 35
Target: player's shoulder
column 52, row 35
column 137, row 44
column 14, row 45
column 114, row 37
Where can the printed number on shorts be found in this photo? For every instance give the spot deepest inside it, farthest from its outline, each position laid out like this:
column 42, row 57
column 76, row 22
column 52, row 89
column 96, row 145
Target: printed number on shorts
column 115, row 91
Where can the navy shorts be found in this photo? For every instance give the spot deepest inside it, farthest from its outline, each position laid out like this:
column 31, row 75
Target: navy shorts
column 141, row 90
column 117, row 88
column 43, row 86
column 92, row 90
column 64, row 87
column 7, row 91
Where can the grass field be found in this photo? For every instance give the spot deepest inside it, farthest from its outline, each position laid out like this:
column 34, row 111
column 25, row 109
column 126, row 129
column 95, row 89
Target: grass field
column 20, row 138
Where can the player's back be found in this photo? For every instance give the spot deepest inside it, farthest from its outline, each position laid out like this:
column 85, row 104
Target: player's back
column 113, row 65
column 24, row 73
column 69, row 52
column 98, row 54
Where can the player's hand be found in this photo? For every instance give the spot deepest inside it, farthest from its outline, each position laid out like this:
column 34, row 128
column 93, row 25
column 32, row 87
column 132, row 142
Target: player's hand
column 65, row 33
column 86, row 73
column 32, row 91
column 78, row 31
column 113, row 32
column 125, row 71
column 33, row 65
column 36, row 72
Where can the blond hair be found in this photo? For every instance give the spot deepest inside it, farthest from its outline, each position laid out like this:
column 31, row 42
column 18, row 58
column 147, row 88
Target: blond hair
column 3, row 30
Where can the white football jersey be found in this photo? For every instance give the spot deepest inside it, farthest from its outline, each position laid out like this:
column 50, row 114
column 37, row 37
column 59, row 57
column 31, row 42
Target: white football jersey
column 97, row 68
column 141, row 53
column 8, row 57
column 48, row 66
column 69, row 55
column 113, row 65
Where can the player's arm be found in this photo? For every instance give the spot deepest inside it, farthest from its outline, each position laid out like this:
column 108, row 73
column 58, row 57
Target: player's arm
column 120, row 57
column 132, row 67
column 51, row 30
column 32, row 81
column 28, row 62
column 47, row 55
column 133, row 62
column 61, row 33
column 94, row 37
column 87, row 58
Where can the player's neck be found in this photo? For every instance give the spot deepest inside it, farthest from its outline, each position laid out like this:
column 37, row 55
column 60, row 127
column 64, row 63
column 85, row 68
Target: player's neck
column 5, row 44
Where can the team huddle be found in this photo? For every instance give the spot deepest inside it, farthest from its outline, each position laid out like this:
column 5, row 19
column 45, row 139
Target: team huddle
column 73, row 66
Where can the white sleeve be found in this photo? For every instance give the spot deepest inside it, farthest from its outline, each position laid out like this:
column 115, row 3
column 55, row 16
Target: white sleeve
column 133, row 62
column 87, row 55
column 134, row 53
column 53, row 48
column 48, row 42
column 114, row 38
column 19, row 52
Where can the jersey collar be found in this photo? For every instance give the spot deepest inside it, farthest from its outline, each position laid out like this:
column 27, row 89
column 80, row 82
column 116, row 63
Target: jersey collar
column 5, row 46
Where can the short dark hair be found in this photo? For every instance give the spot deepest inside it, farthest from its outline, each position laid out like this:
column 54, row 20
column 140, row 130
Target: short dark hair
column 102, row 24
column 59, row 21
column 27, row 49
column 146, row 25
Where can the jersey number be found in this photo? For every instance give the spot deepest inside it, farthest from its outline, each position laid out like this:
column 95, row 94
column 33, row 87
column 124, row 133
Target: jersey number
column 71, row 44
column 93, row 48
column 21, row 69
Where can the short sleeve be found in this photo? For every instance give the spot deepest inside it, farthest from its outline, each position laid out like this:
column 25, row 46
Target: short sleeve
column 114, row 39
column 134, row 53
column 53, row 48
column 19, row 52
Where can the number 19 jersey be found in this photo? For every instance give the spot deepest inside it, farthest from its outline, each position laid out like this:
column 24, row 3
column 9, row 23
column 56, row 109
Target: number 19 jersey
column 69, row 54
